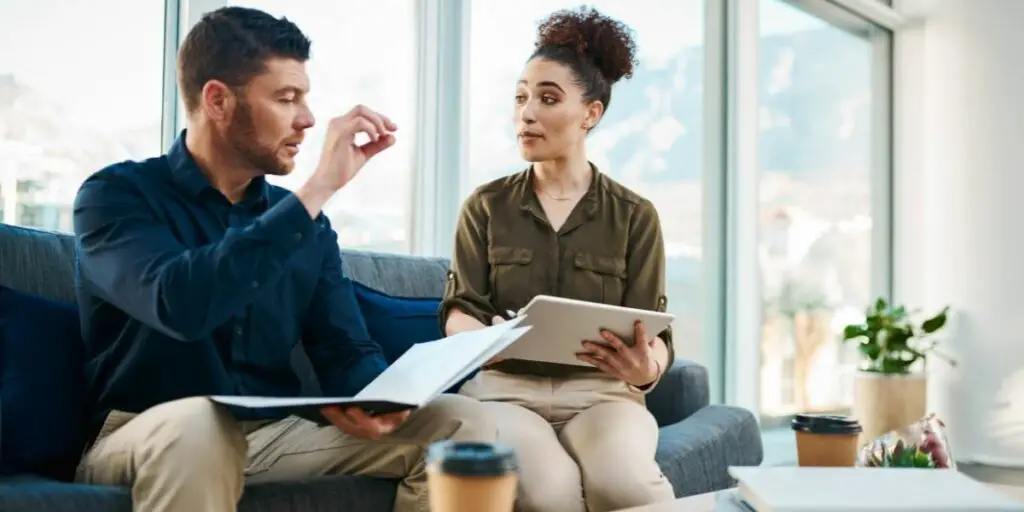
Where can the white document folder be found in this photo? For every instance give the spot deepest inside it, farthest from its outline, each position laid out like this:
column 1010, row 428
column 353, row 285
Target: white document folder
column 422, row 373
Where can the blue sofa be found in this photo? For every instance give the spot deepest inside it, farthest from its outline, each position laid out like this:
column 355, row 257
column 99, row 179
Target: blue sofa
column 698, row 441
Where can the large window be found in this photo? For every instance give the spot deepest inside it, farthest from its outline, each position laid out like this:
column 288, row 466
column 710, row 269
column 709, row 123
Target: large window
column 361, row 54
column 817, row 162
column 74, row 97
column 650, row 139
column 766, row 152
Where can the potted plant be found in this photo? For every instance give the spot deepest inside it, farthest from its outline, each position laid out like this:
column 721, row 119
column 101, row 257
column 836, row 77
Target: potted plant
column 890, row 390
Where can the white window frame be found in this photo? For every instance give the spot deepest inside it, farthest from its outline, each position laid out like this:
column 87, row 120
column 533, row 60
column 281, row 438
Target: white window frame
column 442, row 124
column 742, row 271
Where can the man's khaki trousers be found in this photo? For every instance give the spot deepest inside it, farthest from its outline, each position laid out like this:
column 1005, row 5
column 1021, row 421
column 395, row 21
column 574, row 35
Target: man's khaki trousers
column 190, row 455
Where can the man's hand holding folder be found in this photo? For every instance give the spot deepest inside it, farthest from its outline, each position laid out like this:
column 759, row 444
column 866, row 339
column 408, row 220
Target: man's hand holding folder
column 355, row 422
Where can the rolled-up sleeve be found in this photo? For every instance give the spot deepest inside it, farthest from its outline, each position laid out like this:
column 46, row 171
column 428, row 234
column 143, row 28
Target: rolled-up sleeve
column 468, row 288
column 645, row 267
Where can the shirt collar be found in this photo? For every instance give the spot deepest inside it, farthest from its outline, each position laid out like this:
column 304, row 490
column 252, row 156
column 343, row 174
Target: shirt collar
column 187, row 175
column 523, row 186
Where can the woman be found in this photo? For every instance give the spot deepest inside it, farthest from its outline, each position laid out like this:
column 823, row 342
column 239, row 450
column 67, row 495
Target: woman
column 584, row 437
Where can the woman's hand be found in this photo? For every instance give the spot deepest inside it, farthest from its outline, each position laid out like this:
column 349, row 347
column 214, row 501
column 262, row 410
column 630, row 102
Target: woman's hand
column 634, row 365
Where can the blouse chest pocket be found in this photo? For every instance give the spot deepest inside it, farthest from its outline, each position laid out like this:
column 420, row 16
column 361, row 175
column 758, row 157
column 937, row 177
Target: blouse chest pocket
column 598, row 278
column 511, row 276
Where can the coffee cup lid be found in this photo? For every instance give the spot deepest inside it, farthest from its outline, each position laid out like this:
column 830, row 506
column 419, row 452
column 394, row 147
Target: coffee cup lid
column 826, row 424
column 473, row 458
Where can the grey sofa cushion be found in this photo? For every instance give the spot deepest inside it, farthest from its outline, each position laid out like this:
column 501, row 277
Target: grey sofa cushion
column 43, row 263
column 398, row 275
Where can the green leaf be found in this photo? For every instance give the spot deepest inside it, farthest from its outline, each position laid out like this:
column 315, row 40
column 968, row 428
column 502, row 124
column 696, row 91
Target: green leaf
column 897, row 338
column 897, row 366
column 880, row 304
column 936, row 322
column 870, row 350
column 854, row 331
column 874, row 322
column 899, row 313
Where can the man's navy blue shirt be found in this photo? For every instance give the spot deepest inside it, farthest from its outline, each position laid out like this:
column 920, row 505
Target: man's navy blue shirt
column 184, row 294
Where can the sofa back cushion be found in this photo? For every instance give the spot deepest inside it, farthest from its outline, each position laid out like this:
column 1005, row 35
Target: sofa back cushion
column 396, row 275
column 38, row 262
column 43, row 263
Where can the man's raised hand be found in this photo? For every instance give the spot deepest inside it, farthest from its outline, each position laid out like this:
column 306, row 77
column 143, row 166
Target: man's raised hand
column 342, row 158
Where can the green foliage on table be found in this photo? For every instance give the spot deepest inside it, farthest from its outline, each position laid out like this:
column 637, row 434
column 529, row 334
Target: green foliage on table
column 901, row 456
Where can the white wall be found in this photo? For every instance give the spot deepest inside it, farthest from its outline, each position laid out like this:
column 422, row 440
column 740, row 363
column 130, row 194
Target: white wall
column 959, row 189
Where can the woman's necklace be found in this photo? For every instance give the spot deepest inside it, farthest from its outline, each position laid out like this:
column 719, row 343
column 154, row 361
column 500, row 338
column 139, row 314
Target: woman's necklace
column 558, row 198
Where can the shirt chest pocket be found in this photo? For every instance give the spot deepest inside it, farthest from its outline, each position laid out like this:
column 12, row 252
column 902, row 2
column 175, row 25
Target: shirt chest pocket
column 511, row 276
column 598, row 278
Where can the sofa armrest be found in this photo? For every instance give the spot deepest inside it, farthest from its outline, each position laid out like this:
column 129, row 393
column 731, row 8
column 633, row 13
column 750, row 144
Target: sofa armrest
column 696, row 453
column 682, row 391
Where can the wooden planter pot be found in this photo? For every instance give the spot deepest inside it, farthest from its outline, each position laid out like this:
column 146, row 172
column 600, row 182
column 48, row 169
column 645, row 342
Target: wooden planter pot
column 884, row 402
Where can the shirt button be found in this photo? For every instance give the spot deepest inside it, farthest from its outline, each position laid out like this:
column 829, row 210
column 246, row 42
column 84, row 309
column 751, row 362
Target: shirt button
column 255, row 284
column 298, row 237
column 238, row 331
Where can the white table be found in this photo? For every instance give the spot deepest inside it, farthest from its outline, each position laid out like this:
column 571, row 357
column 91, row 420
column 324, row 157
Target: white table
column 706, row 502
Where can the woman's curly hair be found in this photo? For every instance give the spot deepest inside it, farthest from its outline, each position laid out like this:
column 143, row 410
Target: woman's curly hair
column 597, row 49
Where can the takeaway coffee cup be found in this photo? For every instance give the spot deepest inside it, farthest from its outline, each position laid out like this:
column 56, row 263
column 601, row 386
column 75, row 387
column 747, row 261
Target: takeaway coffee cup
column 826, row 440
column 471, row 477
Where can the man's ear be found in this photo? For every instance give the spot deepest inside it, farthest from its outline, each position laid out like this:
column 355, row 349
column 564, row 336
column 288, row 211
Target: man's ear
column 218, row 100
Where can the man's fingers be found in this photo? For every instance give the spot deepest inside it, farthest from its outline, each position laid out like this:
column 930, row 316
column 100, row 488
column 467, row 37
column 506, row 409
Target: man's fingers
column 363, row 424
column 377, row 424
column 357, row 415
column 370, row 149
column 382, row 123
column 348, row 425
column 353, row 126
column 388, row 123
column 394, row 419
column 334, row 414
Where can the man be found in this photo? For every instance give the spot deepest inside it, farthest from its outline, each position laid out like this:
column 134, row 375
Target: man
column 196, row 277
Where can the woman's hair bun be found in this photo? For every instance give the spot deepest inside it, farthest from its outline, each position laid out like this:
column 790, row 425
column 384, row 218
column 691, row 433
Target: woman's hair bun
column 604, row 41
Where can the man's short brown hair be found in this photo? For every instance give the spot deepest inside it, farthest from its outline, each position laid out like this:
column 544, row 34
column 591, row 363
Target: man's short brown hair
column 232, row 45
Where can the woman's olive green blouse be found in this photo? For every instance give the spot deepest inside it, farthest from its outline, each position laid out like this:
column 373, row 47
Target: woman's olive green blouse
column 609, row 250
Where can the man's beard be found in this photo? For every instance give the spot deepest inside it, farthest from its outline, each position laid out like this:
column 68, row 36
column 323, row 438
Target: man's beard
column 243, row 138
